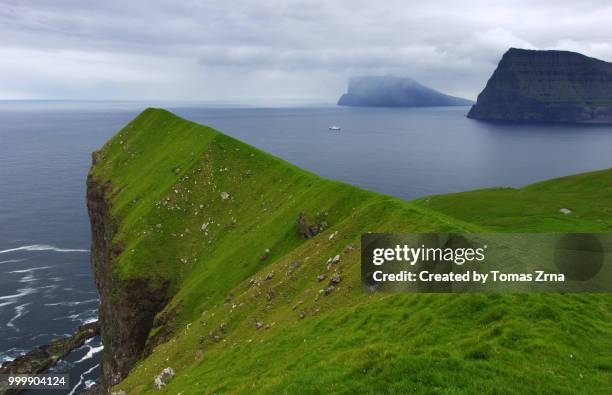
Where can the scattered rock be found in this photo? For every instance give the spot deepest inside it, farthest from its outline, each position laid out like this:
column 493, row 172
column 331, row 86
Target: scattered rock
column 199, row 355
column 258, row 325
column 335, row 279
column 328, row 290
column 333, row 261
column 163, row 378
column 294, row 265
column 270, row 294
column 224, row 195
column 265, row 255
column 333, row 235
column 565, row 210
column 302, row 314
column 321, row 277
column 213, row 336
column 349, row 248
column 270, row 275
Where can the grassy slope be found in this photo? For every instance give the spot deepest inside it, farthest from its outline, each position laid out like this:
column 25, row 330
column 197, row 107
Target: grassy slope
column 347, row 341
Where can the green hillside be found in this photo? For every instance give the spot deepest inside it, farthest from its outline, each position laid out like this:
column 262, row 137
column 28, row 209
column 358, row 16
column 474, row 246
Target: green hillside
column 218, row 221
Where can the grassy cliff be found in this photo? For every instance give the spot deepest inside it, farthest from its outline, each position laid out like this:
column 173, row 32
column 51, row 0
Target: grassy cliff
column 245, row 309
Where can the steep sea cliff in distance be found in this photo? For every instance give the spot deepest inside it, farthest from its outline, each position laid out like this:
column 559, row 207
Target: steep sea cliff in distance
column 547, row 86
column 388, row 91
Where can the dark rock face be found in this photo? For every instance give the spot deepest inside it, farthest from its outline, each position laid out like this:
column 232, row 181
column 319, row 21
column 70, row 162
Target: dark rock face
column 127, row 307
column 547, row 86
column 306, row 230
column 395, row 92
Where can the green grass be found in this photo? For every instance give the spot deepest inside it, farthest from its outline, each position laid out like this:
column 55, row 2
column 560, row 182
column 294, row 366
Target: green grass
column 535, row 207
column 347, row 341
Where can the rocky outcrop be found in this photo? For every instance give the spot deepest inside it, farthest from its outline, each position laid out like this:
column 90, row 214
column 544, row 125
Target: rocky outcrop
column 307, row 230
column 161, row 379
column 42, row 358
column 547, row 86
column 387, row 91
column 127, row 307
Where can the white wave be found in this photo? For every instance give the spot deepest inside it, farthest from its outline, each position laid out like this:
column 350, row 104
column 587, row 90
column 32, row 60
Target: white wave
column 28, row 279
column 82, row 378
column 60, row 367
column 90, row 320
column 19, row 311
column 73, row 303
column 21, row 292
column 84, row 317
column 32, row 269
column 14, row 260
column 11, row 354
column 7, row 303
column 90, row 353
column 42, row 247
column 49, row 293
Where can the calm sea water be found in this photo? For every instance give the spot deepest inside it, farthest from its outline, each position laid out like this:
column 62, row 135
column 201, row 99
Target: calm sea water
column 46, row 286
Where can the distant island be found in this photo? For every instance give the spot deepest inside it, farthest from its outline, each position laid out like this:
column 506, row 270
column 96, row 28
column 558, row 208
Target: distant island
column 388, row 91
column 547, row 86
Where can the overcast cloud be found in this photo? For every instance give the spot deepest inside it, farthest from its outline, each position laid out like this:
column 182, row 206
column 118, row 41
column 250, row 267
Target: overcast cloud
column 235, row 50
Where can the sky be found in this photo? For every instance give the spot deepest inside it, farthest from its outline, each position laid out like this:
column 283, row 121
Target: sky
column 267, row 50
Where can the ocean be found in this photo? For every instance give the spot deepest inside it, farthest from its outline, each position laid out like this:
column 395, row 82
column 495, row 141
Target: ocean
column 46, row 285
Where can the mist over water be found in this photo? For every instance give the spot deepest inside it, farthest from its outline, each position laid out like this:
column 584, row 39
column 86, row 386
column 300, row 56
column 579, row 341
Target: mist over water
column 46, row 285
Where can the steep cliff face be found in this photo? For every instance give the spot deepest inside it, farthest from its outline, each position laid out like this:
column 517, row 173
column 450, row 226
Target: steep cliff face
column 127, row 308
column 387, row 91
column 547, row 86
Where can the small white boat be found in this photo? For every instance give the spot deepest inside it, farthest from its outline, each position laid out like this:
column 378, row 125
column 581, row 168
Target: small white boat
column 335, row 128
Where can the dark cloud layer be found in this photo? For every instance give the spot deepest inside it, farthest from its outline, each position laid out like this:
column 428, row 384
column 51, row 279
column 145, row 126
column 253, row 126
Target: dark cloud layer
column 235, row 50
